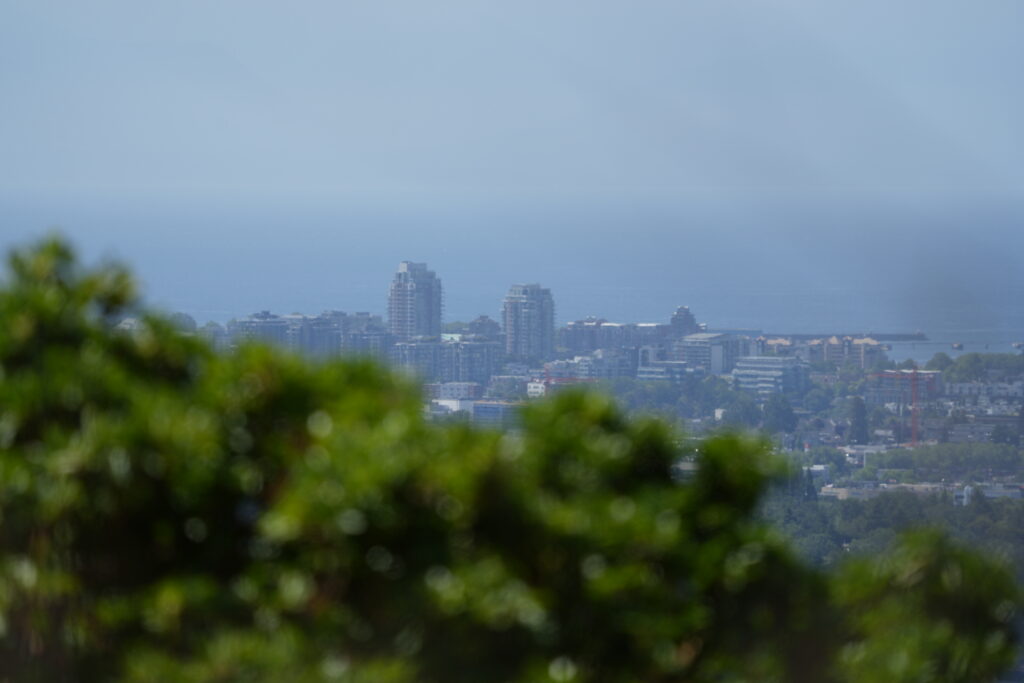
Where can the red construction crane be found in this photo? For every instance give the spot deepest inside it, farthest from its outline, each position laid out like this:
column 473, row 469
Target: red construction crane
column 915, row 408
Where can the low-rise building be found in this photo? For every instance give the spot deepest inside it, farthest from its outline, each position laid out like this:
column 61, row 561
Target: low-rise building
column 667, row 371
column 451, row 406
column 767, row 375
column 536, row 389
column 470, row 360
column 495, row 413
column 264, row 327
column 971, row 432
column 601, row 364
column 716, row 352
column 454, row 390
column 989, row 390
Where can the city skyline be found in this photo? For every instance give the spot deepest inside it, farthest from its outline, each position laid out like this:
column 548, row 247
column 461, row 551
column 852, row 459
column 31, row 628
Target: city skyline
column 412, row 336
column 682, row 317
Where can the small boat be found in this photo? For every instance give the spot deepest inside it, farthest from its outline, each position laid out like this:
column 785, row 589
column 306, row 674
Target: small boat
column 1018, row 345
column 957, row 346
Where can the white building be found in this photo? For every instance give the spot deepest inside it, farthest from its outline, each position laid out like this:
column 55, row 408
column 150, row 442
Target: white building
column 767, row 375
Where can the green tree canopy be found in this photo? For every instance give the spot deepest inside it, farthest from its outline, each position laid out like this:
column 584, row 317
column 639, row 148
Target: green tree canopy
column 779, row 415
column 981, row 367
column 940, row 361
column 167, row 513
column 742, row 412
column 817, row 400
column 858, row 421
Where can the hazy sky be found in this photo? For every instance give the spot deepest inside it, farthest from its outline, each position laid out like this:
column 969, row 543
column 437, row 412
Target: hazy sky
column 238, row 153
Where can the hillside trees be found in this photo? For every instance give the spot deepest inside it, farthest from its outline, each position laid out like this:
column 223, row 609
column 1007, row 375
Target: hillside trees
column 779, row 415
column 983, row 367
column 858, row 421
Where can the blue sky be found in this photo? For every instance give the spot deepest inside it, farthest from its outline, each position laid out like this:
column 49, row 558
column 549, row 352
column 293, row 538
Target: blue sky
column 569, row 142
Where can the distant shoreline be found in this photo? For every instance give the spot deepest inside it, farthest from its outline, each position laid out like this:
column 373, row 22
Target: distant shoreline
column 878, row 336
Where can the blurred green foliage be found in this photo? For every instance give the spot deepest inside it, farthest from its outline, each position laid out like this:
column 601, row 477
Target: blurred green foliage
column 167, row 513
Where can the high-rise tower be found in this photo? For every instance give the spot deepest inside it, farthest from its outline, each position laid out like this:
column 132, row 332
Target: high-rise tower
column 529, row 317
column 414, row 302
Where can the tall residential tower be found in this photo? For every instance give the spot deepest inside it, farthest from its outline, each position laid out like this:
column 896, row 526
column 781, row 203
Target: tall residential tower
column 529, row 317
column 414, row 302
